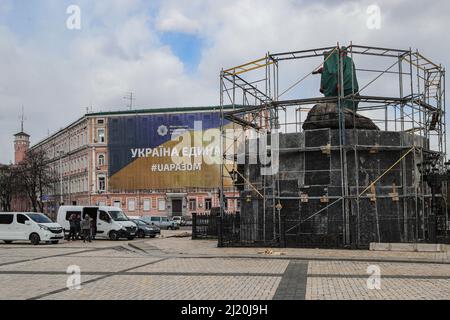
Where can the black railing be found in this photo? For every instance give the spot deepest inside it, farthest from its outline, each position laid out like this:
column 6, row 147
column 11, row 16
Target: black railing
column 305, row 228
column 205, row 225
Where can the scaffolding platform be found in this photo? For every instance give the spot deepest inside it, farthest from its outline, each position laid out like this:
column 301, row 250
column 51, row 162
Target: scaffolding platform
column 342, row 187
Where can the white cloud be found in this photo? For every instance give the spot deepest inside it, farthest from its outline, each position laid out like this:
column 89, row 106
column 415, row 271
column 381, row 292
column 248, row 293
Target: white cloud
column 58, row 73
column 175, row 21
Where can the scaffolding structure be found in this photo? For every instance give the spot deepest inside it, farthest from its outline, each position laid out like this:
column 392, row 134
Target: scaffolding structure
column 264, row 100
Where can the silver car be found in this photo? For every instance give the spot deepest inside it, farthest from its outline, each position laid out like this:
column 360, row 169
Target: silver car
column 161, row 221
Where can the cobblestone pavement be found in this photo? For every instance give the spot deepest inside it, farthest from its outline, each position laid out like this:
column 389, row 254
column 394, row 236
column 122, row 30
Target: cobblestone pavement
column 177, row 287
column 173, row 268
column 209, row 247
column 343, row 280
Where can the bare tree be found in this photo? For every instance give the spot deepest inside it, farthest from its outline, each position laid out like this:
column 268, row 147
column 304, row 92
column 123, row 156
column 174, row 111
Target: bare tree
column 8, row 186
column 36, row 177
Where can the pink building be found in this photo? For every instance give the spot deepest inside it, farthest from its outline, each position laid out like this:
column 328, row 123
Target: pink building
column 93, row 157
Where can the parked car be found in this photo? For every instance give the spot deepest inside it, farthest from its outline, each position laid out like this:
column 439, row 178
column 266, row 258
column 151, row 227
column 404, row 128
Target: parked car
column 133, row 217
column 178, row 219
column 34, row 227
column 183, row 220
column 161, row 222
column 186, row 221
column 145, row 230
column 110, row 222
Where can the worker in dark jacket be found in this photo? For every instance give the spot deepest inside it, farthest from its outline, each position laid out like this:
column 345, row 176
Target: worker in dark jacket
column 86, row 228
column 73, row 230
column 78, row 226
column 93, row 229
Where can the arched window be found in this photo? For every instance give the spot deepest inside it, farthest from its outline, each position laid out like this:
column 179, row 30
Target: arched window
column 101, row 160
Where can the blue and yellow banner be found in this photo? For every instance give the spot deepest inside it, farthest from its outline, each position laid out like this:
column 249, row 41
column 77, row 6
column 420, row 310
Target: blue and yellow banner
column 164, row 151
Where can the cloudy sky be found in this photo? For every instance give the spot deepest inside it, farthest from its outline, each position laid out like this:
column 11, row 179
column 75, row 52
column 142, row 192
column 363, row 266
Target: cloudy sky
column 169, row 53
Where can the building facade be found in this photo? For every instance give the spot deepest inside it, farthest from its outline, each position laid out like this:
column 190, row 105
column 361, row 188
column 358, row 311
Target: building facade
column 19, row 202
column 147, row 162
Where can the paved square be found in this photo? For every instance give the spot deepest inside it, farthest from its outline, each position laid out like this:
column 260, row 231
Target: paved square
column 156, row 269
column 27, row 286
column 217, row 265
column 176, row 288
column 342, row 288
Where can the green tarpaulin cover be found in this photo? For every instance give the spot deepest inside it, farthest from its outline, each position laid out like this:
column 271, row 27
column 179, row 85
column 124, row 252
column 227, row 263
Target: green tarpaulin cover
column 330, row 73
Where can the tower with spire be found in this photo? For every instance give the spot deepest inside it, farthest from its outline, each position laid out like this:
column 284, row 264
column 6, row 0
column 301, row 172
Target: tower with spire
column 21, row 142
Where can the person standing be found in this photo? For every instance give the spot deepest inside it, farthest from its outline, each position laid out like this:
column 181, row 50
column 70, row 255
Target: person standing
column 86, row 228
column 93, row 229
column 72, row 232
column 78, row 226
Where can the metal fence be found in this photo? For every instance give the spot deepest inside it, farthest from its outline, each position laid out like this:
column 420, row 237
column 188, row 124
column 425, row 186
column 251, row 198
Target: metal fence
column 205, row 225
column 312, row 225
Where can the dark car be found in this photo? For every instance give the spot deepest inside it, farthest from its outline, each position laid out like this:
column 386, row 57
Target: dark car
column 145, row 230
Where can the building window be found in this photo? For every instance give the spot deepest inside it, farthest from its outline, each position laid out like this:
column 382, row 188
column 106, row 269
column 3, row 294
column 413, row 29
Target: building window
column 101, row 160
column 161, row 205
column 192, row 204
column 101, row 184
column 102, row 203
column 117, row 204
column 101, row 135
column 238, row 204
column 131, row 204
column 100, row 121
column 208, row 204
column 147, row 203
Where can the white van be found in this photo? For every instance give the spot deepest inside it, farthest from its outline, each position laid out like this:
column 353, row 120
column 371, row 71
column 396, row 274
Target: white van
column 110, row 222
column 162, row 222
column 34, row 227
